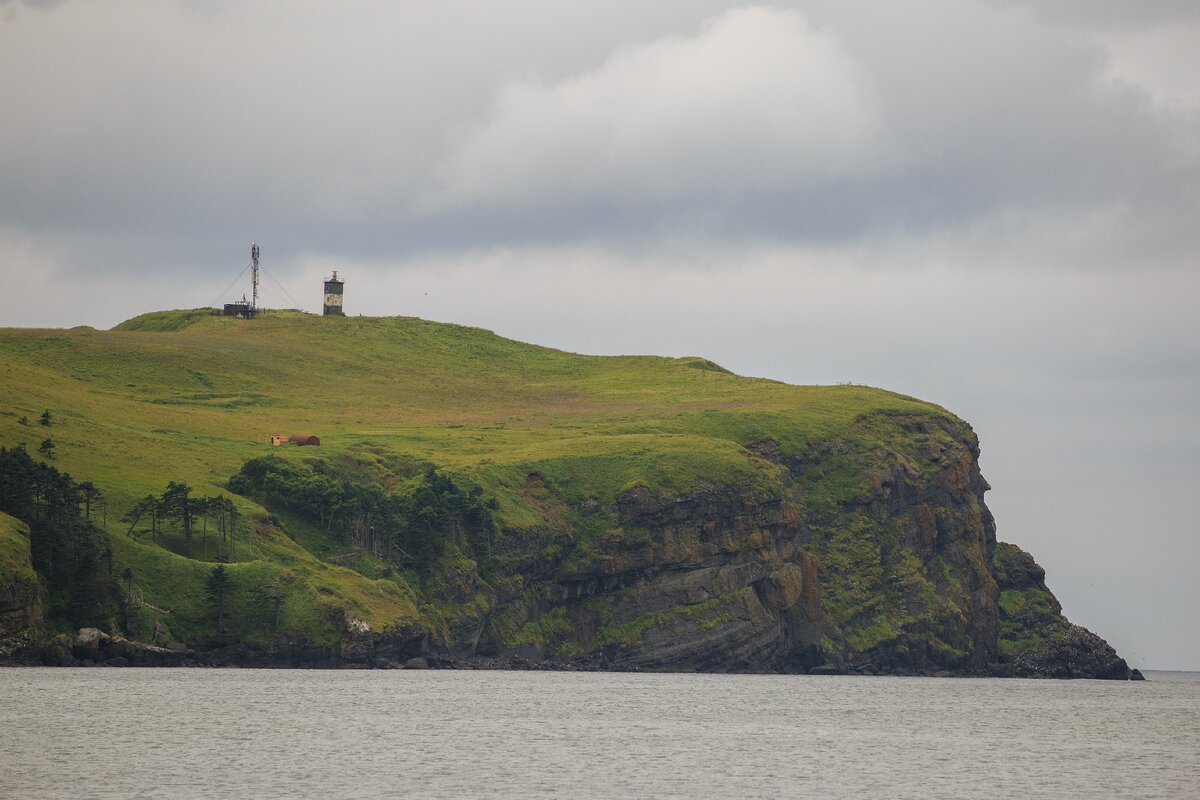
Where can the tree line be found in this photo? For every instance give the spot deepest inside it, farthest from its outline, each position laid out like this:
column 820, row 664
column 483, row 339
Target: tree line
column 177, row 505
column 70, row 553
column 407, row 526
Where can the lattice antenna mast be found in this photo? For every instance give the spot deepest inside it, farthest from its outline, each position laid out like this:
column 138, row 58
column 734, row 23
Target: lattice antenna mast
column 254, row 276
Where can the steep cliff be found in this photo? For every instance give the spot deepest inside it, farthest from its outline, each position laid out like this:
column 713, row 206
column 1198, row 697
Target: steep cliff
column 877, row 561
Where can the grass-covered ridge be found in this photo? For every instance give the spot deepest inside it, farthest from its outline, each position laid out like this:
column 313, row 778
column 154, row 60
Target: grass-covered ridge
column 546, row 436
column 193, row 395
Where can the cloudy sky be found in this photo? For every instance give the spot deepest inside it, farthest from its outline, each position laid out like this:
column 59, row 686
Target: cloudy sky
column 991, row 205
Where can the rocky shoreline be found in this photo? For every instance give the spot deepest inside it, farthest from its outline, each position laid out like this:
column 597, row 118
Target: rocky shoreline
column 92, row 647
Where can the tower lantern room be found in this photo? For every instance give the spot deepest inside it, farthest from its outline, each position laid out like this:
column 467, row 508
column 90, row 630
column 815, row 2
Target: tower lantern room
column 333, row 297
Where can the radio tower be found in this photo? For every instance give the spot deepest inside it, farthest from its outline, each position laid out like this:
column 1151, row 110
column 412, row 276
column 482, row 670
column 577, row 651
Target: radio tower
column 254, row 276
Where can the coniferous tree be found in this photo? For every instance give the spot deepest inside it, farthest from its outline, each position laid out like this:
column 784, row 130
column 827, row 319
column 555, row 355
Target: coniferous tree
column 148, row 504
column 89, row 494
column 218, row 586
column 177, row 502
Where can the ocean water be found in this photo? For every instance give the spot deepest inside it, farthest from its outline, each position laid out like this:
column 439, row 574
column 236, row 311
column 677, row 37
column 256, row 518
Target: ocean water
column 182, row 733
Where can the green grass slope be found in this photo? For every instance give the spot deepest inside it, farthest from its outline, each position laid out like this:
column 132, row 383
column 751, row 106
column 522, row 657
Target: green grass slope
column 15, row 566
column 189, row 396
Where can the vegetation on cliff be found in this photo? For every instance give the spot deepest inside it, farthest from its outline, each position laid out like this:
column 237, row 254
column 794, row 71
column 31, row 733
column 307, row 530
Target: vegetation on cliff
column 1035, row 638
column 476, row 497
column 20, row 590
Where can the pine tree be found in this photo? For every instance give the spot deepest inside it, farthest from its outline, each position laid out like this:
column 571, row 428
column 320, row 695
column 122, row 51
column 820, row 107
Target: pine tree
column 218, row 587
column 177, row 502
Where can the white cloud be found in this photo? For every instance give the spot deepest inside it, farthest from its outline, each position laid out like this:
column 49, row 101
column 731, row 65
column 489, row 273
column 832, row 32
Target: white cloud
column 757, row 102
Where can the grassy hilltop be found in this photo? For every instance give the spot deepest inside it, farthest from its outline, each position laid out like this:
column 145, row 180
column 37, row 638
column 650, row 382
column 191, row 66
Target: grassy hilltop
column 190, row 396
column 550, row 443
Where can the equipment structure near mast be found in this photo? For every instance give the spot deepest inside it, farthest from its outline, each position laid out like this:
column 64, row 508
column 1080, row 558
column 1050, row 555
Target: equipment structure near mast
column 247, row 308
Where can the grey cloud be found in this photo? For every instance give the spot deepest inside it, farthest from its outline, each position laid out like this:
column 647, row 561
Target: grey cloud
column 983, row 110
column 416, row 131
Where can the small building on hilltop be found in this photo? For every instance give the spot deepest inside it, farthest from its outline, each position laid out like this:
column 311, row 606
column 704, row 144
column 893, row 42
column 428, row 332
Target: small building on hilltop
column 242, row 310
column 304, row 439
column 278, row 439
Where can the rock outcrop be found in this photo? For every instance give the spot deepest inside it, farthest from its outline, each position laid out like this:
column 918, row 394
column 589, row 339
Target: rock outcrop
column 1036, row 640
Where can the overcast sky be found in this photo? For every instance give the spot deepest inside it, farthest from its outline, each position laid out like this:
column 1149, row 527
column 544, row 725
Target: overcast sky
column 994, row 206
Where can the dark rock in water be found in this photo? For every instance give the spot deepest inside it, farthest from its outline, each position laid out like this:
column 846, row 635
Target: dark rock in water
column 57, row 652
column 138, row 654
column 21, row 648
column 826, row 669
column 1136, row 675
column 396, row 646
column 1036, row 640
column 93, row 647
column 1071, row 652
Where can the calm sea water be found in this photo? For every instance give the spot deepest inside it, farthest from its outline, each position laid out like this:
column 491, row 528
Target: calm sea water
column 244, row 733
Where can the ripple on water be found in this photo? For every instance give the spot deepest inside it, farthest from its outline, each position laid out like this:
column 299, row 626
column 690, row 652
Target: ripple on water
column 250, row 733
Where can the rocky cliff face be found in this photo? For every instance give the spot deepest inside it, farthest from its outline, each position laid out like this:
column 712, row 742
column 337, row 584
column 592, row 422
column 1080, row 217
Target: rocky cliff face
column 715, row 581
column 874, row 562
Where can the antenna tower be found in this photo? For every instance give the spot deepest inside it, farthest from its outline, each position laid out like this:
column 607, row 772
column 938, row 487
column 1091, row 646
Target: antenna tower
column 254, row 276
